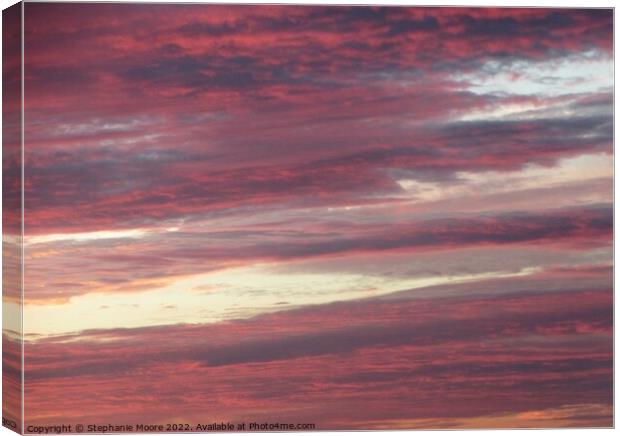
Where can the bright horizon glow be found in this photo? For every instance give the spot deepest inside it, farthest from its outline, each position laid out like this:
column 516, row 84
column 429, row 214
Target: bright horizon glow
column 226, row 299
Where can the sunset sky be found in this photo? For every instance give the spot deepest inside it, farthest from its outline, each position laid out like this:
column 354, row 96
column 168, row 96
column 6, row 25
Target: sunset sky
column 358, row 217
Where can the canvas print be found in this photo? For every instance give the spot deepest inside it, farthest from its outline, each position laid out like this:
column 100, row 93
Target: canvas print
column 306, row 217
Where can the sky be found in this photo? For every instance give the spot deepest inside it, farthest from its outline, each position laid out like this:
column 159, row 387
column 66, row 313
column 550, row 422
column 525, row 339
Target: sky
column 357, row 217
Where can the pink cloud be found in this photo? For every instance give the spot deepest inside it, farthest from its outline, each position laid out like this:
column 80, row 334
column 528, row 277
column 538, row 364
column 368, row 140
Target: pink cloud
column 471, row 356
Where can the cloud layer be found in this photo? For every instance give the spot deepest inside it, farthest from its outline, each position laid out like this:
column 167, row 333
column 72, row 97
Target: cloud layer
column 359, row 217
column 489, row 356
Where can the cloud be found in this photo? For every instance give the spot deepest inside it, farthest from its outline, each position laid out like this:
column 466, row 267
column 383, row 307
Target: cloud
column 170, row 143
column 541, row 348
column 150, row 260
